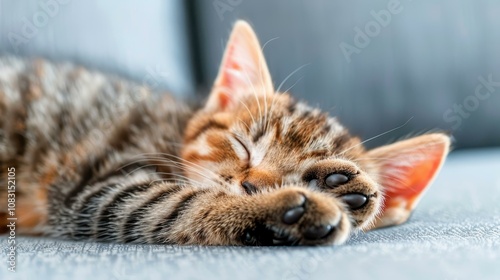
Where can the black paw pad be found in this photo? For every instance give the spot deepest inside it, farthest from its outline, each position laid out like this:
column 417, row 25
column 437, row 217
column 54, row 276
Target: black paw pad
column 293, row 215
column 318, row 232
column 355, row 200
column 249, row 238
column 336, row 179
column 258, row 236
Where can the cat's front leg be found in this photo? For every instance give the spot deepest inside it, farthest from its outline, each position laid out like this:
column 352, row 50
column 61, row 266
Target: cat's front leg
column 287, row 216
column 139, row 209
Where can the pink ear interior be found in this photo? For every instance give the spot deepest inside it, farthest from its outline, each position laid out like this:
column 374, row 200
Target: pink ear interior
column 405, row 170
column 232, row 70
column 243, row 69
column 232, row 74
column 407, row 183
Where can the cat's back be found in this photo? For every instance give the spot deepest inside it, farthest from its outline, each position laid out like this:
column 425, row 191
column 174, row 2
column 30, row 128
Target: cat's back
column 60, row 121
column 59, row 101
column 59, row 96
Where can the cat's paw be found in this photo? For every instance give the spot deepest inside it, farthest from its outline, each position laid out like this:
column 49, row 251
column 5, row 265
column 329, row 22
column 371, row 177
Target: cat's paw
column 296, row 216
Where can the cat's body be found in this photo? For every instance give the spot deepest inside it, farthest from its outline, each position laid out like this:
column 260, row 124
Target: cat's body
column 97, row 157
column 63, row 126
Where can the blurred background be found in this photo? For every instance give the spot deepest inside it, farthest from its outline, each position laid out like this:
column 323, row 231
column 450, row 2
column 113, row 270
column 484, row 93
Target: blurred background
column 378, row 65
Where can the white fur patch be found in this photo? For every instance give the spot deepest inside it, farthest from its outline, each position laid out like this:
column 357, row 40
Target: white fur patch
column 259, row 150
column 257, row 155
column 239, row 149
column 202, row 147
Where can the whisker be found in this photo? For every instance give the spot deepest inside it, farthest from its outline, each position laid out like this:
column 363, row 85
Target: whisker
column 185, row 180
column 283, row 82
column 261, row 63
column 372, row 138
column 290, row 75
column 249, row 112
column 241, row 121
column 255, row 94
column 155, row 172
column 294, row 84
column 268, row 41
column 181, row 160
column 270, row 112
column 157, row 156
column 174, row 164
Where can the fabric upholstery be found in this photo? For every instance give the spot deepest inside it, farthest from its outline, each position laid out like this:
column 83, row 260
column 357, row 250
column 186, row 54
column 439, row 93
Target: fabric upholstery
column 453, row 234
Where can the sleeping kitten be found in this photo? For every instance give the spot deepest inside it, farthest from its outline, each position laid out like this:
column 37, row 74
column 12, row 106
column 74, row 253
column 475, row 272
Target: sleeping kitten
column 97, row 157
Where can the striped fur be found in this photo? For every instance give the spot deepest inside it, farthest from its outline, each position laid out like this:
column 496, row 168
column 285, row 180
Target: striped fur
column 101, row 158
column 90, row 169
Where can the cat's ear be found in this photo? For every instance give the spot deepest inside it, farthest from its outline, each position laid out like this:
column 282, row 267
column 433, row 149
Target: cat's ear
column 405, row 170
column 243, row 70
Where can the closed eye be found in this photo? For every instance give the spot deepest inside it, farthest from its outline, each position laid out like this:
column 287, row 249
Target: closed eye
column 240, row 149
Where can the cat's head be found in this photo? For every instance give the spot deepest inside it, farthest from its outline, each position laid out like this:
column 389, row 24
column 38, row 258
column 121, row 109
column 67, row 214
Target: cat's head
column 254, row 139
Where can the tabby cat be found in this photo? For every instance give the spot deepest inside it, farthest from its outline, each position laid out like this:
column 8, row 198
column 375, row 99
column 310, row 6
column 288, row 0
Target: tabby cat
column 98, row 157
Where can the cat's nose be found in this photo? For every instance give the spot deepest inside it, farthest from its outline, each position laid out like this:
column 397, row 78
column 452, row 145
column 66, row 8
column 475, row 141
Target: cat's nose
column 258, row 178
column 248, row 187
